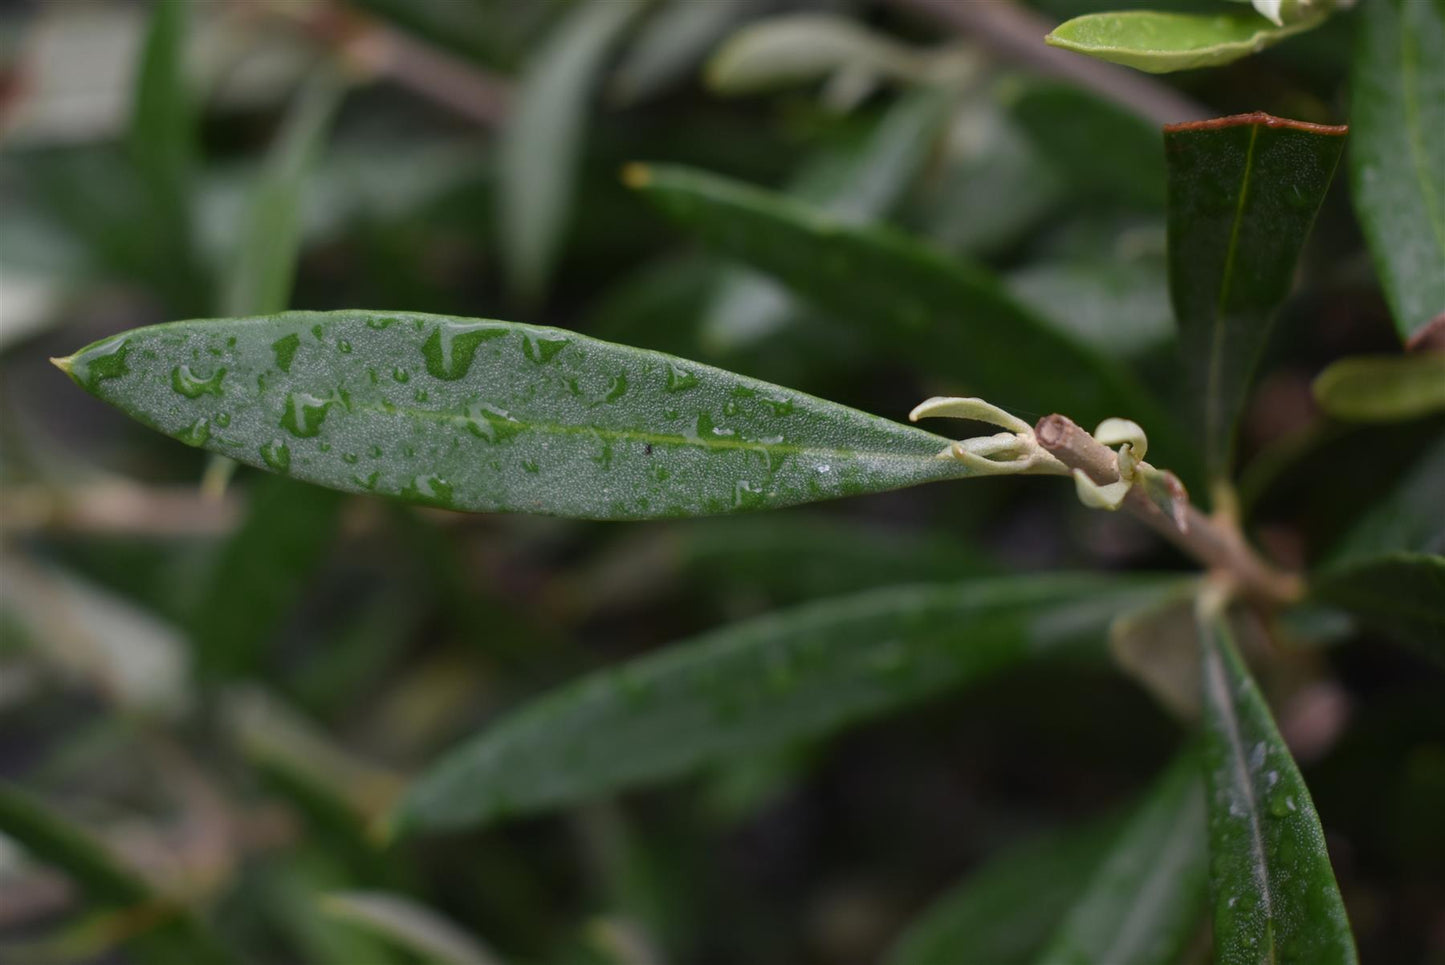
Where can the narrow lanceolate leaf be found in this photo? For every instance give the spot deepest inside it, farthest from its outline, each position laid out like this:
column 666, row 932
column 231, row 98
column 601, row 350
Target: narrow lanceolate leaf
column 410, row 926
column 264, row 264
column 1145, row 902
column 162, row 144
column 758, row 685
column 954, row 319
column 1383, row 388
column 1274, row 893
column 1398, row 113
column 542, row 142
column 1390, row 569
column 493, row 416
column 1164, row 42
column 174, row 936
column 1243, row 193
column 1002, row 913
column 854, row 189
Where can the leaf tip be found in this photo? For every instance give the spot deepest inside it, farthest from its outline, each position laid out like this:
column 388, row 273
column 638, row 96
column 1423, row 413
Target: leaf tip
column 636, row 176
column 63, row 364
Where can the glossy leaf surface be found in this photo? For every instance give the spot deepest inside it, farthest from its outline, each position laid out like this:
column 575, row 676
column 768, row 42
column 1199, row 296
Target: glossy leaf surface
column 542, row 141
column 1398, row 115
column 1273, row 891
column 1383, row 388
column 1144, row 903
column 493, row 416
column 1243, row 194
column 1003, row 912
column 954, row 319
column 757, row 685
column 175, row 936
column 1161, row 42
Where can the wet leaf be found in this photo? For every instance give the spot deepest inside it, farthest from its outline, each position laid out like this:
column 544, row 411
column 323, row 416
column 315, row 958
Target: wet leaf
column 408, row 925
column 1243, row 194
column 1398, row 115
column 494, row 416
column 1145, row 901
column 1273, row 891
column 1390, row 569
column 541, row 146
column 1002, row 912
column 1160, row 42
column 953, row 319
column 855, row 188
column 1383, row 388
column 175, row 936
column 756, row 685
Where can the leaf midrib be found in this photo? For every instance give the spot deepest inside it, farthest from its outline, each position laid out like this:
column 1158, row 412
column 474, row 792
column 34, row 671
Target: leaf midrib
column 1216, row 347
column 1224, row 697
column 655, row 438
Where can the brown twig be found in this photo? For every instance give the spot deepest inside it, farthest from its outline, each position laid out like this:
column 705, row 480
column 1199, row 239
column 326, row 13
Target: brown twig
column 1019, row 33
column 1215, row 542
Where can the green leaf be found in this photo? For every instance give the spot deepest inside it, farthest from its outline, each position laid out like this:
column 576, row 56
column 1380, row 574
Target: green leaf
column 542, row 140
column 410, row 926
column 855, row 189
column 260, row 575
column 493, row 416
column 1164, row 42
column 757, row 685
column 1274, row 894
column 1001, row 914
column 264, row 261
column 1398, row 114
column 1144, row 902
column 1243, row 194
column 1389, row 570
column 162, row 144
column 175, row 937
column 1383, row 388
column 954, row 319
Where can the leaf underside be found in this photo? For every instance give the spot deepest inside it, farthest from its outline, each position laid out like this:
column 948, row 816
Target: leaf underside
column 1160, row 42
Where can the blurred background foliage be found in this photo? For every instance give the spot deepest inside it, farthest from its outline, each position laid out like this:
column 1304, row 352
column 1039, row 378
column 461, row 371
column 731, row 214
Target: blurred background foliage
column 227, row 678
